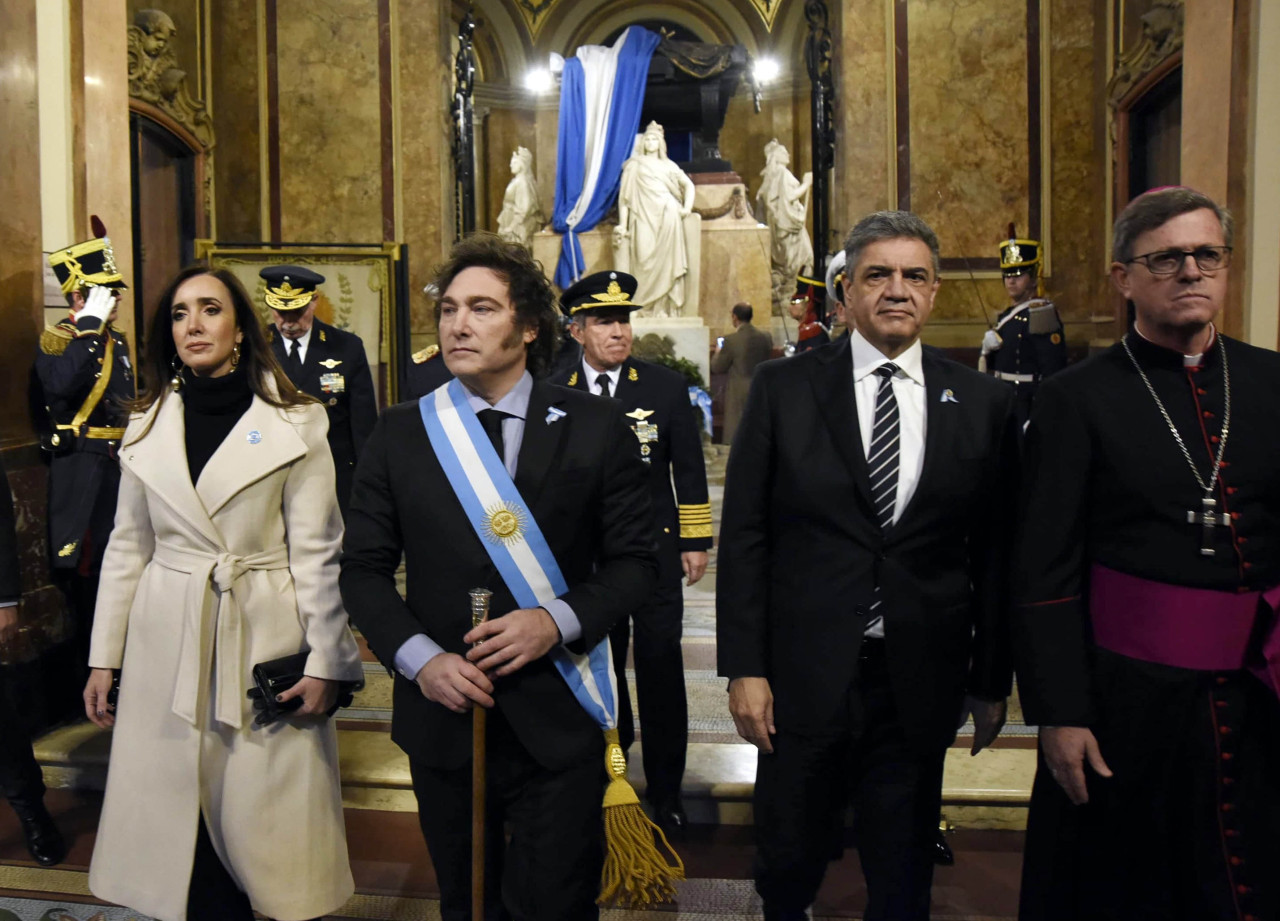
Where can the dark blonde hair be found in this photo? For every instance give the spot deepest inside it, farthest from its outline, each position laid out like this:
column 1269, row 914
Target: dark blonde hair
column 256, row 358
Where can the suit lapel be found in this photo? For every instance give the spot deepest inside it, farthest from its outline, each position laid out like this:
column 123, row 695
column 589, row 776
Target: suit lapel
column 160, row 461
column 260, row 443
column 833, row 395
column 541, row 443
column 939, row 428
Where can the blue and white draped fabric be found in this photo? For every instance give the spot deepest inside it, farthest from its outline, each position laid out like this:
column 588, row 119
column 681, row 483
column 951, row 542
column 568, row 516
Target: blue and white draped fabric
column 701, row 400
column 511, row 537
column 601, row 94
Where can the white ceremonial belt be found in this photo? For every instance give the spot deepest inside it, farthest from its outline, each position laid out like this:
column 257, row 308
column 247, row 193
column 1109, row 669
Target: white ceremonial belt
column 1017, row 378
column 206, row 571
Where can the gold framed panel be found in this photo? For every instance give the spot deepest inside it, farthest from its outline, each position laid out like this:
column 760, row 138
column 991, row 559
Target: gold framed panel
column 360, row 294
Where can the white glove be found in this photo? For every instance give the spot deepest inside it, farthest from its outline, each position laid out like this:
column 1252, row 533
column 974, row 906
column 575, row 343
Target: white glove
column 991, row 342
column 99, row 304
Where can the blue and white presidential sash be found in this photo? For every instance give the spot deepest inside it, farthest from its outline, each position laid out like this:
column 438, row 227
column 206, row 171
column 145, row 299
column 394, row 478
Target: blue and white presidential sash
column 511, row 537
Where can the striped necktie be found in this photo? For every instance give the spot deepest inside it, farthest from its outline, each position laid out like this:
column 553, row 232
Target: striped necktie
column 882, row 462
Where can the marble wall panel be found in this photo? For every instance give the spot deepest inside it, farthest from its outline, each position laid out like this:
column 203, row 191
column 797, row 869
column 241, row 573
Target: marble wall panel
column 236, row 73
column 968, row 121
column 425, row 75
column 329, row 118
column 20, row 231
column 1077, row 145
column 863, row 113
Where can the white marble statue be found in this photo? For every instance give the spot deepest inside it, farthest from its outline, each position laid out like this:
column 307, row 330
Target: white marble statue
column 657, row 237
column 783, row 204
column 521, row 214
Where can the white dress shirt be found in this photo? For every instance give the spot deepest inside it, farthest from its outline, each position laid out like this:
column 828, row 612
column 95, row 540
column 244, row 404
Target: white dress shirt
column 300, row 344
column 593, row 385
column 908, row 388
column 420, row 649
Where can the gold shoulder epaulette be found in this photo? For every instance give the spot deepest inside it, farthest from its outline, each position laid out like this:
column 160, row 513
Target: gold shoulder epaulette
column 426, row 354
column 54, row 339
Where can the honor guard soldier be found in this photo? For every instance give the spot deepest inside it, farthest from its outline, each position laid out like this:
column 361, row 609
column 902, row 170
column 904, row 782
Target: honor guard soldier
column 656, row 402
column 326, row 362
column 1027, row 343
column 804, row 307
column 85, row 379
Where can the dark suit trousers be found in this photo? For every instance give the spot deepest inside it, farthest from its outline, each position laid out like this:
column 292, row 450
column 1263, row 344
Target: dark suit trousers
column 20, row 776
column 895, row 793
column 659, row 667
column 550, row 868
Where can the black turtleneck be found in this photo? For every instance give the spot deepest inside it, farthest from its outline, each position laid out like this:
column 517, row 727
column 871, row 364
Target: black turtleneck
column 211, row 408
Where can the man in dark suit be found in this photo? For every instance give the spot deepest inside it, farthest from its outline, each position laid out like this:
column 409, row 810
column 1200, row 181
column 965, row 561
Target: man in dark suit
column 656, row 402
column 738, row 357
column 575, row 464
column 861, row 599
column 326, row 362
column 20, row 780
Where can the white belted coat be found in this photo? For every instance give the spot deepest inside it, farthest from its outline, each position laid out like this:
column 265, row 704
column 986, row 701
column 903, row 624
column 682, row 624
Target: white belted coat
column 199, row 584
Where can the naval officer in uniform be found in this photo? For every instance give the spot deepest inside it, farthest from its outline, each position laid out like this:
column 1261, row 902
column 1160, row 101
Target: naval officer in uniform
column 656, row 402
column 326, row 362
column 1027, row 343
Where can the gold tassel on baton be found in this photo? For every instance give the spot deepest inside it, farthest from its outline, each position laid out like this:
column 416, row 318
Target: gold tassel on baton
column 479, row 614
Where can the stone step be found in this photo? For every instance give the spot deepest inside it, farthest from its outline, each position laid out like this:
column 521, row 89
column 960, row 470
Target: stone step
column 989, row 791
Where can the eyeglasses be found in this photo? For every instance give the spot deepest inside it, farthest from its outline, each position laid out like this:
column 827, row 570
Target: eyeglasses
column 1170, row 261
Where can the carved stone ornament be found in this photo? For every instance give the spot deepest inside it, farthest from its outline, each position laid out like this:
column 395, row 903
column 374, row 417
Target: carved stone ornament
column 1162, row 36
column 156, row 78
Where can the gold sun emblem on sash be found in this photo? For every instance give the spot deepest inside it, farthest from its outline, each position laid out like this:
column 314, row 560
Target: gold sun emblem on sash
column 504, row 524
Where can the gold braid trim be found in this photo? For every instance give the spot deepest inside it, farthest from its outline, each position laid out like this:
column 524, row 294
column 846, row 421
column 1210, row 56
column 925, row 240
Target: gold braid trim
column 636, row 873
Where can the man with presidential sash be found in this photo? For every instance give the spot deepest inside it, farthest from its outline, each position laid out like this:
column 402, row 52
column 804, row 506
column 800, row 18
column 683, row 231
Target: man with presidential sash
column 656, row 402
column 537, row 493
column 324, row 361
column 1146, row 581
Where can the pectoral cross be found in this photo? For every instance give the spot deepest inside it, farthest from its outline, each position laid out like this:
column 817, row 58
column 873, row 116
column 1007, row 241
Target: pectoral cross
column 1209, row 517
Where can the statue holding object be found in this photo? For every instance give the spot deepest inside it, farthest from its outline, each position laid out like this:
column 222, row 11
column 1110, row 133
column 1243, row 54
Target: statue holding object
column 657, row 237
column 783, row 203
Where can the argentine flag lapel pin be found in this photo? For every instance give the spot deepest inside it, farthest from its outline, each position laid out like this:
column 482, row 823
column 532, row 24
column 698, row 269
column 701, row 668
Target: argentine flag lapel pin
column 948, row 396
column 555, row 414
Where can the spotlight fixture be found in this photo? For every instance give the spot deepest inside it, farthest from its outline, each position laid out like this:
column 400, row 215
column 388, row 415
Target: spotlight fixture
column 767, row 70
column 539, row 81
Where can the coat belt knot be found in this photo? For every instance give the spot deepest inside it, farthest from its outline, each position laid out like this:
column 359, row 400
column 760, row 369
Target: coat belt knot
column 215, row 640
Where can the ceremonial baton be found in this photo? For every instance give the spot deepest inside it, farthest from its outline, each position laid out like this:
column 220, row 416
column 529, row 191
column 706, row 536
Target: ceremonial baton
column 479, row 614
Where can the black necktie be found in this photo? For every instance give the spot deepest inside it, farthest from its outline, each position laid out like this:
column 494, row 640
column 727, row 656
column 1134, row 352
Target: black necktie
column 882, row 461
column 293, row 359
column 491, row 420
column 604, row 381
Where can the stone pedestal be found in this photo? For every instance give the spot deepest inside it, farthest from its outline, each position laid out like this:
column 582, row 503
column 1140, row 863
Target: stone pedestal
column 691, row 337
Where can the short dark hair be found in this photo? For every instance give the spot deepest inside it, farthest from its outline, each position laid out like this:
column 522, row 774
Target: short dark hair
column 527, row 286
column 1155, row 209
column 256, row 358
column 743, row 312
column 889, row 225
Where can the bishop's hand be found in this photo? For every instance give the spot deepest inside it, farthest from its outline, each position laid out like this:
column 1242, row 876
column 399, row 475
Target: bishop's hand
column 1065, row 750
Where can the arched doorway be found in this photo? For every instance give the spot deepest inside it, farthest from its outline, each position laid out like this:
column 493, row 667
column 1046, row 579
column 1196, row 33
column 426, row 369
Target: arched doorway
column 168, row 165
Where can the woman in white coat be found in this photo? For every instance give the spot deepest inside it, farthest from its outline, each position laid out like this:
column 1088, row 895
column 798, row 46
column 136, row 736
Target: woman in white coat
column 224, row 555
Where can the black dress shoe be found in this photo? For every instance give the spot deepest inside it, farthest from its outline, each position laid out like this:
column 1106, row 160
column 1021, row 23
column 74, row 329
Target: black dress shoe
column 668, row 814
column 44, row 841
column 942, row 855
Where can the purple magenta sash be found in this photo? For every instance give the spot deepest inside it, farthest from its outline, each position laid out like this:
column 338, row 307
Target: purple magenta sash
column 1177, row 625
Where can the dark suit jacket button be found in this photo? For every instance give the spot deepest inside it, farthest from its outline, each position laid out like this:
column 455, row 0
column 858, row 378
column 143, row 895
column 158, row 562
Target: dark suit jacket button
column 333, row 401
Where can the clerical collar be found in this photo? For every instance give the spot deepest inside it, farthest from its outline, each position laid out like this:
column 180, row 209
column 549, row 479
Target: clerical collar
column 1152, row 353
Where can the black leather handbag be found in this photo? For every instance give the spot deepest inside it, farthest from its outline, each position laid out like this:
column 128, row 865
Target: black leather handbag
column 277, row 676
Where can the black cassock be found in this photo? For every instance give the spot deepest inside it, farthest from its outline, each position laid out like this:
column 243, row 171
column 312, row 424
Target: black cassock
column 1187, row 827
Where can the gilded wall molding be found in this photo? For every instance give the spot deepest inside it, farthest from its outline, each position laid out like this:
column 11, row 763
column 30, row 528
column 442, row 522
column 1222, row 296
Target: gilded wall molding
column 155, row 77
column 1162, row 37
column 768, row 10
